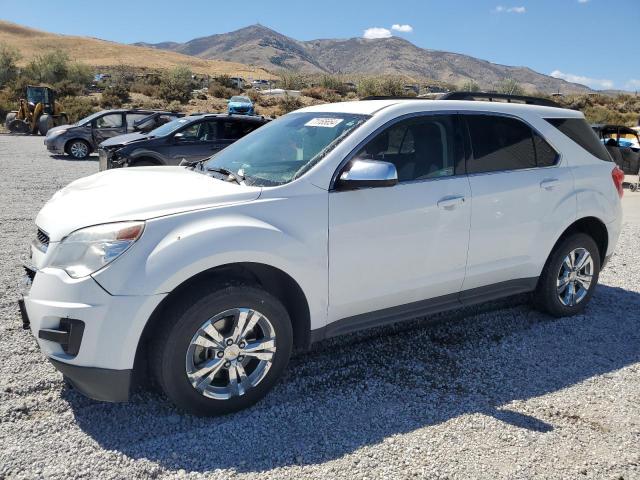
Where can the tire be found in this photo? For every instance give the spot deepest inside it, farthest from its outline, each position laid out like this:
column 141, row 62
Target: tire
column 550, row 296
column 210, row 390
column 45, row 122
column 11, row 116
column 78, row 149
column 633, row 187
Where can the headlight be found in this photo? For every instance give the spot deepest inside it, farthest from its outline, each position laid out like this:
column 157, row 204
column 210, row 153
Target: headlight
column 87, row 250
column 55, row 133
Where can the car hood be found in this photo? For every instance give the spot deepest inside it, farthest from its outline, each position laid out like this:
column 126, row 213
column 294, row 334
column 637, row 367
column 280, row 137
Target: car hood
column 59, row 128
column 124, row 139
column 138, row 193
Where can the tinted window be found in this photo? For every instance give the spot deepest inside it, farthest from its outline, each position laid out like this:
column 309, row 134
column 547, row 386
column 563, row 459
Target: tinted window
column 111, row 120
column 132, row 118
column 200, row 132
column 420, row 148
column 233, row 130
column 499, row 143
column 578, row 130
column 546, row 156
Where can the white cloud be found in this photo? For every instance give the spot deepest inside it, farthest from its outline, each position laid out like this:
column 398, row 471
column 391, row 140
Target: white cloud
column 597, row 83
column 502, row 9
column 402, row 28
column 377, row 32
column 633, row 84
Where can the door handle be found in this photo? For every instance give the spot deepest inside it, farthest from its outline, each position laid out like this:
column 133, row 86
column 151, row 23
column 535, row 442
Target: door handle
column 451, row 202
column 550, row 183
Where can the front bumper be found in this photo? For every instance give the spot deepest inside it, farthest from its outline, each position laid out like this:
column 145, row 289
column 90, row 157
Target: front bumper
column 104, row 348
column 55, row 145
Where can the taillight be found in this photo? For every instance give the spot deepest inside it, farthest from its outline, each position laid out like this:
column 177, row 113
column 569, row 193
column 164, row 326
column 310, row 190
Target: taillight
column 617, row 175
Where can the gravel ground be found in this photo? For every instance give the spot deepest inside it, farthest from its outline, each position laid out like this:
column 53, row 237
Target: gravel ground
column 499, row 391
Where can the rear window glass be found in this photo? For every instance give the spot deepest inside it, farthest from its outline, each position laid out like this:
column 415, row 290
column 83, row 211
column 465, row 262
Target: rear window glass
column 578, row 130
column 545, row 154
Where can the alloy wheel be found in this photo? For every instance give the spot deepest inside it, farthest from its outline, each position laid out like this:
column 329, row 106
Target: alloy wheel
column 79, row 150
column 230, row 353
column 575, row 277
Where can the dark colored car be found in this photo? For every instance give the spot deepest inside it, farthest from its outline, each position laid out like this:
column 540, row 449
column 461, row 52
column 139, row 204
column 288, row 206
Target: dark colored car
column 188, row 139
column 82, row 138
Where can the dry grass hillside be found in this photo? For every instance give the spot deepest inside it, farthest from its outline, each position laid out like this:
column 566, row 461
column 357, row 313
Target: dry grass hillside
column 100, row 53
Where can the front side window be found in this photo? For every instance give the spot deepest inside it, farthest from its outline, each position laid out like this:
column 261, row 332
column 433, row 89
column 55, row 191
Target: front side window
column 132, row 118
column 200, row 132
column 111, row 120
column 284, row 149
column 499, row 143
column 419, row 147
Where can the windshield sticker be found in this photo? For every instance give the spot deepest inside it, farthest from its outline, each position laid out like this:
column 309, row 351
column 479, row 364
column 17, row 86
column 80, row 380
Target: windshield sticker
column 323, row 122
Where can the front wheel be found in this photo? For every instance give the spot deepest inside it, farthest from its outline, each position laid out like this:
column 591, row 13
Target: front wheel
column 222, row 351
column 569, row 277
column 78, row 149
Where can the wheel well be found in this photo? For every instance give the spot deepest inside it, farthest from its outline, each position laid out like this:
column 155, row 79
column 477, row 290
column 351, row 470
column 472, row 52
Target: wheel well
column 69, row 142
column 155, row 161
column 273, row 280
column 592, row 227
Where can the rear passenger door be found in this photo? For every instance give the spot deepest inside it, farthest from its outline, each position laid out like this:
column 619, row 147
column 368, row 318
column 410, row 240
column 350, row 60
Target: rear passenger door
column 107, row 126
column 519, row 189
column 231, row 130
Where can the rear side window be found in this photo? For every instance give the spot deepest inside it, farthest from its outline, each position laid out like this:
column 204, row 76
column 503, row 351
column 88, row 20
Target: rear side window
column 546, row 156
column 499, row 143
column 578, row 130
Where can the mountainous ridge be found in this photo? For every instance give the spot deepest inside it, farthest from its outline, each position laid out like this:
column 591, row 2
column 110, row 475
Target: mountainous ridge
column 261, row 46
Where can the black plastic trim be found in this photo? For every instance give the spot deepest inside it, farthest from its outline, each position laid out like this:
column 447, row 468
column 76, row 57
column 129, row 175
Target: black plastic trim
column 97, row 383
column 68, row 335
column 26, row 323
column 413, row 310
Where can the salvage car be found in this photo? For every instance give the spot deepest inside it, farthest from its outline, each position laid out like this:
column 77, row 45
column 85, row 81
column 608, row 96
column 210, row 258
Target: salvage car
column 241, row 105
column 329, row 220
column 81, row 139
column 184, row 140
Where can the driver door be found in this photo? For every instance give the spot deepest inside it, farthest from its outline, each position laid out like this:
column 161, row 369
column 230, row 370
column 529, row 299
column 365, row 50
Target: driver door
column 107, row 126
column 390, row 247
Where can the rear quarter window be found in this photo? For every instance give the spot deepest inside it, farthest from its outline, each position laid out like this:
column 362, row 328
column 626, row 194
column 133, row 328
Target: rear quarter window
column 578, row 130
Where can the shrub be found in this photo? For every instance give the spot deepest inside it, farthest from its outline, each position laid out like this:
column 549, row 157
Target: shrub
column 510, row 86
column 50, row 67
column 267, row 101
column 114, row 96
column 67, row 88
column 147, row 89
column 368, row 87
column 176, row 85
column 7, row 103
column 77, row 108
column 218, row 90
column 225, row 81
column 470, row 86
column 321, row 93
column 292, row 80
column 8, row 64
column 289, row 103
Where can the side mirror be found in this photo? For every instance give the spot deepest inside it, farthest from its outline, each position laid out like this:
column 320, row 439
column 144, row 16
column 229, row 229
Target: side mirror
column 178, row 137
column 367, row 174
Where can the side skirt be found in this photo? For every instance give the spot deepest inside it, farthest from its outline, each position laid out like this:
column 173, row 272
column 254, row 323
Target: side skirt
column 421, row 308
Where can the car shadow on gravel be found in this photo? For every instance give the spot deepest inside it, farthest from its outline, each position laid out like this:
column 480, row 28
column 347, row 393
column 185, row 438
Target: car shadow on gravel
column 67, row 158
column 358, row 390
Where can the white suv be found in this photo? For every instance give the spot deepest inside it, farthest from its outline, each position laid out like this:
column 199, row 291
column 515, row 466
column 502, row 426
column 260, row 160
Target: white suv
column 332, row 219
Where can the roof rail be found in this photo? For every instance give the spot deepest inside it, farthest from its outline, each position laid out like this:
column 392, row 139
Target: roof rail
column 393, row 97
column 500, row 96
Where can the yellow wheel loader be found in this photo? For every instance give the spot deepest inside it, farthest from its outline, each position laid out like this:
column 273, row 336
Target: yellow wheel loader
column 37, row 112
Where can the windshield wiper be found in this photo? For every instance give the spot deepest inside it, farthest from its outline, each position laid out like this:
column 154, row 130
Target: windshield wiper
column 231, row 177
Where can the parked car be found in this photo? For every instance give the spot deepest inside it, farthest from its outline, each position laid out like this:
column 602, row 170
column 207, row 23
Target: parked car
column 186, row 139
column 329, row 220
column 241, row 105
column 82, row 138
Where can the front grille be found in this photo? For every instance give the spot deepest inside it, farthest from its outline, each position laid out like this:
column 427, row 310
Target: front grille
column 43, row 239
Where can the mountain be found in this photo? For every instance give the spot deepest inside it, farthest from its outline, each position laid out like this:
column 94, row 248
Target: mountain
column 101, row 53
column 264, row 47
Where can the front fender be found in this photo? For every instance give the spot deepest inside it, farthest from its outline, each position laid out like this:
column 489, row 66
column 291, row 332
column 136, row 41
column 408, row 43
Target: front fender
column 143, row 152
column 175, row 249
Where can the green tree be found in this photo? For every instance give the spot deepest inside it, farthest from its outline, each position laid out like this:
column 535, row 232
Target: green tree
column 510, row 86
column 176, row 85
column 50, row 67
column 8, row 64
column 470, row 86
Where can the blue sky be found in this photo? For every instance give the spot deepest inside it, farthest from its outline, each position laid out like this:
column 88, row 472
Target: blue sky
column 591, row 41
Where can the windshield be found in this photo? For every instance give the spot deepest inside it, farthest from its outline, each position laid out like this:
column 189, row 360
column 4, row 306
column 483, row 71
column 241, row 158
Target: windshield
column 284, row 149
column 240, row 99
column 169, row 127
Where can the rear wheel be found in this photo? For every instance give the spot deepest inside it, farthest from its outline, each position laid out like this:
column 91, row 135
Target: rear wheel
column 569, row 277
column 11, row 116
column 78, row 149
column 222, row 351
